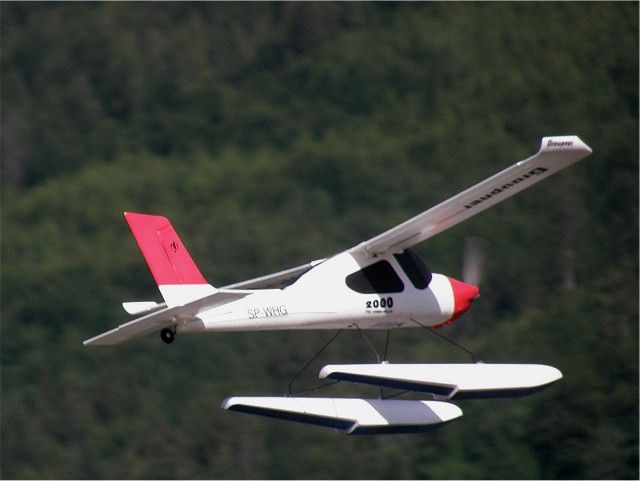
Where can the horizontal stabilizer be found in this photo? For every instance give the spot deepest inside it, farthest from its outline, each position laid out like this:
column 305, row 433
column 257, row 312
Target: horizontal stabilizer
column 462, row 381
column 355, row 416
column 165, row 317
column 141, row 326
column 142, row 307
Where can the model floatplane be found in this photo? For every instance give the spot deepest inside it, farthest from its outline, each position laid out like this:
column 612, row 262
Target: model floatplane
column 378, row 284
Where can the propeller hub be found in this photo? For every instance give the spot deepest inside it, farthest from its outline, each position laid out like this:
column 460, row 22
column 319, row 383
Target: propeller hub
column 463, row 295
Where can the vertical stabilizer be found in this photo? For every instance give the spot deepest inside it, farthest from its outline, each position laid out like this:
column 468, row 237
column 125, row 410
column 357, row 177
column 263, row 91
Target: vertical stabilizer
column 173, row 269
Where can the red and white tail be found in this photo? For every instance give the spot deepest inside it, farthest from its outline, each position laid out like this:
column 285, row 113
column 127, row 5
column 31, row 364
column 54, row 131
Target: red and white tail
column 177, row 276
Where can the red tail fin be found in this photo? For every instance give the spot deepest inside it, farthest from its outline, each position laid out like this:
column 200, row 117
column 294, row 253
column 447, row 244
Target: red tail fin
column 168, row 259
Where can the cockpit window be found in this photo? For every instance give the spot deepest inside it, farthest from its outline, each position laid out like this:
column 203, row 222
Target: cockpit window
column 378, row 278
column 415, row 268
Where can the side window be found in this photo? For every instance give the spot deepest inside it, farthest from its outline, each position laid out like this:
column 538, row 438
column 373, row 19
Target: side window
column 415, row 268
column 377, row 278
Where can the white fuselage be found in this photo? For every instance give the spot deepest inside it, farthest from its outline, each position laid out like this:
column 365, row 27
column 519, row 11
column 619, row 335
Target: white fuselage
column 322, row 298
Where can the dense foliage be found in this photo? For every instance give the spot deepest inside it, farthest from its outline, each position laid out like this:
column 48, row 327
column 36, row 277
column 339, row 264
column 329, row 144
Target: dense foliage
column 277, row 133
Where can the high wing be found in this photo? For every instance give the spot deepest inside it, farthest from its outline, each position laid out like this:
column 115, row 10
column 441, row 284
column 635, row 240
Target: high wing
column 555, row 154
column 276, row 280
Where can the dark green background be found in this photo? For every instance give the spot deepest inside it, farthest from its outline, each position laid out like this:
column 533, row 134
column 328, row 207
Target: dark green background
column 276, row 133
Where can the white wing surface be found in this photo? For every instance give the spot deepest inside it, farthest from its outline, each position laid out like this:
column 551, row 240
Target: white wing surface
column 276, row 280
column 166, row 317
column 555, row 154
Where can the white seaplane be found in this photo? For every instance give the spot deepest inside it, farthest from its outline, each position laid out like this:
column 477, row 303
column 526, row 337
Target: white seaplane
column 378, row 284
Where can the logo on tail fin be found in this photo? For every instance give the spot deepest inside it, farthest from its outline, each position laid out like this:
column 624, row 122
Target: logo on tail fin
column 173, row 269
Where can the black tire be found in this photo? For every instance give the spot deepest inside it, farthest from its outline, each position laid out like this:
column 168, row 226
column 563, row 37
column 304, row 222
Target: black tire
column 167, row 335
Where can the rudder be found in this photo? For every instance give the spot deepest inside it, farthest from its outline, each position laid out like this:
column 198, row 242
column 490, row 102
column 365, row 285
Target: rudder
column 173, row 269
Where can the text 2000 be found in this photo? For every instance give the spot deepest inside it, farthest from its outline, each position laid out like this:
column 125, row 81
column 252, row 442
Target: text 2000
column 384, row 303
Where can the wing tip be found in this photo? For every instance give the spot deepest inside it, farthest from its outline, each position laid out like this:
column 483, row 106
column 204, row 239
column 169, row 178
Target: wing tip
column 565, row 142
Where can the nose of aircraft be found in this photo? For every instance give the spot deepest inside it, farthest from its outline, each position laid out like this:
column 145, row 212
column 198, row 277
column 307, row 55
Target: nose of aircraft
column 463, row 295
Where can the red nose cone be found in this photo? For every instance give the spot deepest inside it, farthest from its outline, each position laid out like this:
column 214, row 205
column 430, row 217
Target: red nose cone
column 463, row 296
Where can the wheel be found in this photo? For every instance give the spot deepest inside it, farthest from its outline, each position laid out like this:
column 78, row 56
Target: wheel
column 167, row 335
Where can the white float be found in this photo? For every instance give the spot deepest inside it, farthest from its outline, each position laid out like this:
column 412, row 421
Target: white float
column 355, row 416
column 462, row 381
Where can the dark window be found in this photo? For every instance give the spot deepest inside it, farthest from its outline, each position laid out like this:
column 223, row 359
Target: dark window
column 377, row 278
column 415, row 268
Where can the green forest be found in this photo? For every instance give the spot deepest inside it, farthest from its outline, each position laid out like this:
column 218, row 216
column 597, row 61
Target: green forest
column 272, row 134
